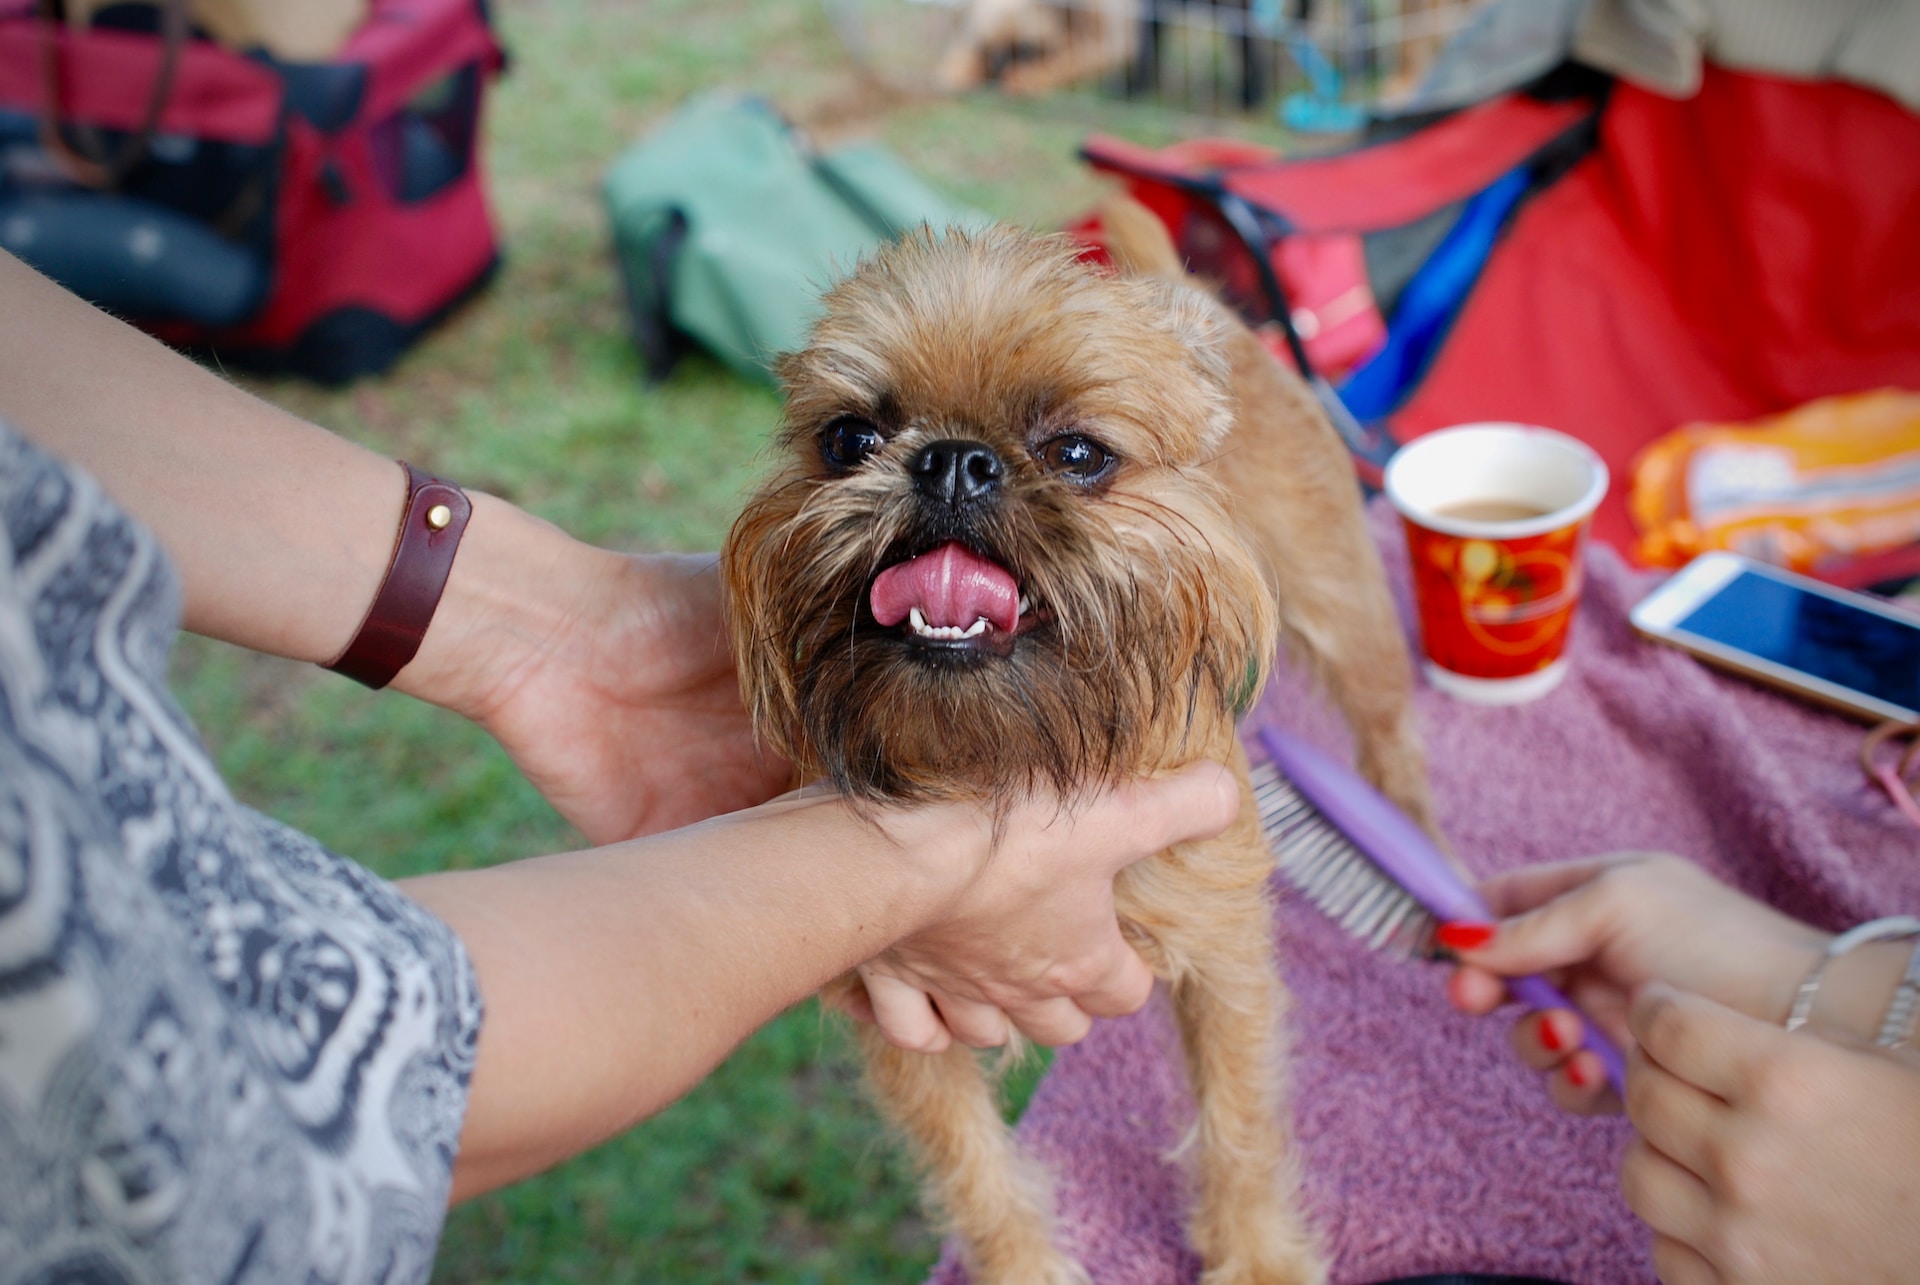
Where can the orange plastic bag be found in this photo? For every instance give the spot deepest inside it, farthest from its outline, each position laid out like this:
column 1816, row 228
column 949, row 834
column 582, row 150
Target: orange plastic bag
column 1833, row 480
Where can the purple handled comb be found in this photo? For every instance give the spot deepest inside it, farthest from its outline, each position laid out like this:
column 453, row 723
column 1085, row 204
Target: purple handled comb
column 1372, row 870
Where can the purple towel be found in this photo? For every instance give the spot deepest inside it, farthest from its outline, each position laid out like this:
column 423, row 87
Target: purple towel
column 1427, row 1148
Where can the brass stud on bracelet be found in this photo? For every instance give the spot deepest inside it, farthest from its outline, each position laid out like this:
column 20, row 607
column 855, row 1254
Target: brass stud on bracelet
column 438, row 516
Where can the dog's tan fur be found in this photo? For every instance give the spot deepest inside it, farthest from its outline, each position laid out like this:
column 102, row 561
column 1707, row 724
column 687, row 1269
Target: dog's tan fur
column 1291, row 490
column 1229, row 520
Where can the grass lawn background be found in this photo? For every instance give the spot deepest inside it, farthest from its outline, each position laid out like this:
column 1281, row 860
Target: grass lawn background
column 775, row 1169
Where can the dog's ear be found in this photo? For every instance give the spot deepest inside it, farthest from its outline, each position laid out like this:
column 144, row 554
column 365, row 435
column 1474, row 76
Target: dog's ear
column 1197, row 322
column 1141, row 247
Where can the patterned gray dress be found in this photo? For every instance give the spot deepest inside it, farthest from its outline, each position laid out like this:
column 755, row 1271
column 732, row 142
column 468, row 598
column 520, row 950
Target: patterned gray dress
column 226, row 1055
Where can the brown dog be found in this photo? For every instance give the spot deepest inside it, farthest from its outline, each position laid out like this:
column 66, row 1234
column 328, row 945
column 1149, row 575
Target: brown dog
column 1040, row 524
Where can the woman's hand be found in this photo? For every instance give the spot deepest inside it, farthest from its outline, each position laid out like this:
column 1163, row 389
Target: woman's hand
column 607, row 677
column 629, row 719
column 1034, row 944
column 1599, row 930
column 1765, row 1156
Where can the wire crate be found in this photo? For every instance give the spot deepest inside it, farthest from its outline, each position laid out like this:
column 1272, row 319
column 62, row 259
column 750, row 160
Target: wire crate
column 1309, row 65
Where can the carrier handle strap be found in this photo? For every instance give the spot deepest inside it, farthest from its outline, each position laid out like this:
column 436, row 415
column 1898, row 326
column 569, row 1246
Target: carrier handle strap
column 88, row 164
column 1369, row 444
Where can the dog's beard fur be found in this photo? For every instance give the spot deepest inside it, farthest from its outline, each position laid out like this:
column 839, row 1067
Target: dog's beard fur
column 1147, row 621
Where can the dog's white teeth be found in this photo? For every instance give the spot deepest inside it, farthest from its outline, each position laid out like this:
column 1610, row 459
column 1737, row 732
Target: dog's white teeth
column 917, row 620
column 1026, row 604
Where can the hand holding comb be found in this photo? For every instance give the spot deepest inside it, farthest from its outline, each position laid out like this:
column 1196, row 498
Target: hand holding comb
column 1374, row 872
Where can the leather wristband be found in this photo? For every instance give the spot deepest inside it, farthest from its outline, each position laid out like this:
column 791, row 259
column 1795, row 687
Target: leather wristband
column 430, row 528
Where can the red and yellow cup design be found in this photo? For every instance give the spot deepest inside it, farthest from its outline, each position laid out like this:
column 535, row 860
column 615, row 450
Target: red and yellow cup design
column 1496, row 519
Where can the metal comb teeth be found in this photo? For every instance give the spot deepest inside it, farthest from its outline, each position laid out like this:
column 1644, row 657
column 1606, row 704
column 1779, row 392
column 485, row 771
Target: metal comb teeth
column 1333, row 874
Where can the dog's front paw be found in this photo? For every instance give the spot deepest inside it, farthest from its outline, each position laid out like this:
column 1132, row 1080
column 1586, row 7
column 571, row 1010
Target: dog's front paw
column 1275, row 1248
column 1312, row 1273
column 1046, row 1267
column 1296, row 1267
column 1060, row 1272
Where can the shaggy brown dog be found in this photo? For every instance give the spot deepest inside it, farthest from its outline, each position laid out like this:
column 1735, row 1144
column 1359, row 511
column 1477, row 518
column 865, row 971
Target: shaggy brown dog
column 1040, row 524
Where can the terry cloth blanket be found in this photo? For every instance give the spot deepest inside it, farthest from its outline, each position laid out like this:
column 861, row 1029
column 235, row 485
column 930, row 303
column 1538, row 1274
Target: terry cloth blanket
column 1427, row 1148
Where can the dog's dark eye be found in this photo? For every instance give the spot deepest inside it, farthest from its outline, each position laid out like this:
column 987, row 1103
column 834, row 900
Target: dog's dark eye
column 846, row 442
column 1077, row 457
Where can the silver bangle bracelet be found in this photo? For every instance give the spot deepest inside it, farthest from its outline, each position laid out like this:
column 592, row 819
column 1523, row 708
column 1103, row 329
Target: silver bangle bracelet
column 1896, row 927
column 1897, row 1026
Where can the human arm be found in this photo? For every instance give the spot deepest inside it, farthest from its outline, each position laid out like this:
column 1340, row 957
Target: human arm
column 1605, row 927
column 615, row 978
column 587, row 665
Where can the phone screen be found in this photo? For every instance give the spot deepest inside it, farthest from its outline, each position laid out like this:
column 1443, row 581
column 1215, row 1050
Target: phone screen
column 1814, row 634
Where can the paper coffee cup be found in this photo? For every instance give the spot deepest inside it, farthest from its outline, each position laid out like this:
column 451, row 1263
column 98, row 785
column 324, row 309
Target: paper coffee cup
column 1496, row 518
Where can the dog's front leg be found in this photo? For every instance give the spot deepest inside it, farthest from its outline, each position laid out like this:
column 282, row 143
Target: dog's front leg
column 1247, row 1225
column 995, row 1197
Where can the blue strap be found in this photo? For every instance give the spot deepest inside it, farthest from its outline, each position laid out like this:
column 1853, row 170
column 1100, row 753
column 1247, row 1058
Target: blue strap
column 1431, row 300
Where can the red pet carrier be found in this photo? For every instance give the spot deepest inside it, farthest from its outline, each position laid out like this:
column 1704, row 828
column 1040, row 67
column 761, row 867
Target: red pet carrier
column 1599, row 259
column 308, row 217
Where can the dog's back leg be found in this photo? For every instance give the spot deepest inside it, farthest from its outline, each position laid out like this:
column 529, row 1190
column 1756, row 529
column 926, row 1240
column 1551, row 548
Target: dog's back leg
column 1294, row 492
column 996, row 1199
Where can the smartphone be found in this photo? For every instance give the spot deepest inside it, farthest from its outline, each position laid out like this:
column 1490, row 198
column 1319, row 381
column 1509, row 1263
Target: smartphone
column 1842, row 649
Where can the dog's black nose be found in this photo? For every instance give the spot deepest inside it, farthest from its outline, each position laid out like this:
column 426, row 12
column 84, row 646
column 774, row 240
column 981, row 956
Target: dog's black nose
column 956, row 472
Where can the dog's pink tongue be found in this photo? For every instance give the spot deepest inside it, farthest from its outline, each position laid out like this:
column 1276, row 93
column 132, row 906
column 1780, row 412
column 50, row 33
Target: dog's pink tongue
column 952, row 586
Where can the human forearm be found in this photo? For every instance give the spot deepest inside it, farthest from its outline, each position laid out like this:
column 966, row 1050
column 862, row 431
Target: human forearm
column 614, row 979
column 281, row 530
column 605, row 676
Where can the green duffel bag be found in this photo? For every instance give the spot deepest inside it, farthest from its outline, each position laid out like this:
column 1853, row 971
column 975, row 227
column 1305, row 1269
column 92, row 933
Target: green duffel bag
column 728, row 224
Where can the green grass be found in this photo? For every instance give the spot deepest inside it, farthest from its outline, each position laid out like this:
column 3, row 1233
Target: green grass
column 775, row 1169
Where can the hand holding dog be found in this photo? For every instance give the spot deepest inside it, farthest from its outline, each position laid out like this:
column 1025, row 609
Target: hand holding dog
column 1034, row 945
column 606, row 677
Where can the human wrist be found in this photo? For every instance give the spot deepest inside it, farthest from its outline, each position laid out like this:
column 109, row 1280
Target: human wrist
column 942, row 851
column 1858, row 989
column 900, row 871
column 1777, row 970
column 432, row 522
column 510, row 591
column 1861, row 987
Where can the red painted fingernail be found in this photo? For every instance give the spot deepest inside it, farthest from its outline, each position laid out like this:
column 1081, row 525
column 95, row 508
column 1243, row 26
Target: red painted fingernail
column 1576, row 1075
column 1550, row 1037
column 1462, row 935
